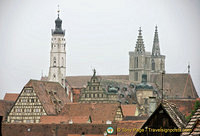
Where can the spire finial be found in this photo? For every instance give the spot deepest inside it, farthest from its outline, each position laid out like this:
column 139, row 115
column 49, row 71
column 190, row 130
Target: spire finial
column 156, row 28
column 58, row 10
column 188, row 67
column 94, row 70
column 140, row 31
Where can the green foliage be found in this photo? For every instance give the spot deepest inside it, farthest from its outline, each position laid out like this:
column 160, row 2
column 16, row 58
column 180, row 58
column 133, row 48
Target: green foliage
column 196, row 106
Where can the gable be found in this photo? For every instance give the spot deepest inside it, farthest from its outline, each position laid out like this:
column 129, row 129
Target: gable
column 27, row 108
column 176, row 85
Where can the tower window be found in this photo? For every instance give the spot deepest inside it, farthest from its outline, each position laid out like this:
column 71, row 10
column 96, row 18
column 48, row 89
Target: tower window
column 54, row 61
column 54, row 76
column 136, row 62
column 153, row 65
column 62, row 62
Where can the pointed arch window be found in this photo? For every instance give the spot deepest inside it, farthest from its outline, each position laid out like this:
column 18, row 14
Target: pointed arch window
column 136, row 62
column 62, row 62
column 153, row 65
column 54, row 61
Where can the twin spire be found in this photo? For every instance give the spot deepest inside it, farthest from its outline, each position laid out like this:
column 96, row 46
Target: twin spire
column 156, row 47
column 140, row 49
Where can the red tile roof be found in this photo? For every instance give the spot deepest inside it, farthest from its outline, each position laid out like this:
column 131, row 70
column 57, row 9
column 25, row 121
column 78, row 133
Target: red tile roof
column 185, row 106
column 129, row 128
column 129, row 110
column 11, row 97
column 63, row 119
column 45, row 91
column 81, row 81
column 193, row 125
column 99, row 112
column 5, row 107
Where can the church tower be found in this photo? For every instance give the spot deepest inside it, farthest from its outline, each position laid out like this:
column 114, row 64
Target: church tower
column 157, row 60
column 57, row 69
column 139, row 61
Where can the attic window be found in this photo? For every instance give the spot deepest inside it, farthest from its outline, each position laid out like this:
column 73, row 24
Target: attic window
column 161, row 111
column 32, row 100
column 54, row 92
column 59, row 101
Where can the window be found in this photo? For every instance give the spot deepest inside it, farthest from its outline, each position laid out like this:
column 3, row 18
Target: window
column 28, row 121
column 28, row 110
column 36, row 110
column 136, row 62
column 62, row 62
column 93, row 88
column 32, row 100
column 54, row 61
column 23, row 100
column 153, row 65
column 18, row 110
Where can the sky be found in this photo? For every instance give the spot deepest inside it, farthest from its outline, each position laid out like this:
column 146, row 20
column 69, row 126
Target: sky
column 99, row 34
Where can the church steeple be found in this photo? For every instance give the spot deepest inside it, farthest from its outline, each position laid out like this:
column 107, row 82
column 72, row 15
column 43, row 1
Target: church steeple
column 58, row 26
column 140, row 49
column 156, row 47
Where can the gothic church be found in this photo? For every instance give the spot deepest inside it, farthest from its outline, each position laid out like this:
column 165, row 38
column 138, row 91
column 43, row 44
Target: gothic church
column 142, row 62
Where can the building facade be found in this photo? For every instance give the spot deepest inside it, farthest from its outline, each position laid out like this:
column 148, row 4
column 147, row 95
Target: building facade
column 142, row 62
column 38, row 98
column 57, row 69
column 95, row 93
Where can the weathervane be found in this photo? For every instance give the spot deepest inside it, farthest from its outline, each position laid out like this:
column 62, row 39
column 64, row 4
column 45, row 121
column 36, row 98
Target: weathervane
column 58, row 10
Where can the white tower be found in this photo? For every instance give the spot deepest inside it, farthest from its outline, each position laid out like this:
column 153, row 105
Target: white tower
column 57, row 69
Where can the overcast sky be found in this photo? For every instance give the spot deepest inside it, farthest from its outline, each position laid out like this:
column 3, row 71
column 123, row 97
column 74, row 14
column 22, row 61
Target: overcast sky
column 99, row 34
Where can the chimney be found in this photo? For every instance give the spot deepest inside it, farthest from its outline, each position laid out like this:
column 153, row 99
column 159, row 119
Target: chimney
column 152, row 105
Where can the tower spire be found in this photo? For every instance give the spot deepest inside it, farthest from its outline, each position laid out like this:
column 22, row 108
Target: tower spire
column 58, row 25
column 156, row 47
column 140, row 49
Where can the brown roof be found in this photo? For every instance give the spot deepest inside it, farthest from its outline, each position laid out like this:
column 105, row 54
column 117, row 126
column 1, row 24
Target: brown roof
column 185, row 106
column 194, row 125
column 176, row 85
column 5, row 107
column 129, row 110
column 81, row 81
column 174, row 113
column 99, row 112
column 11, row 97
column 63, row 119
column 45, row 91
